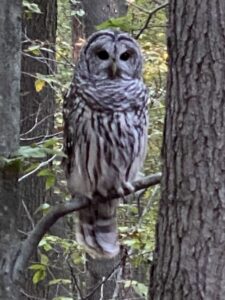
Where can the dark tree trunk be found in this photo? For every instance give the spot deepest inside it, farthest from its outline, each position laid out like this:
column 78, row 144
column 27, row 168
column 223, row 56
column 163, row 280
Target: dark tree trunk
column 99, row 270
column 37, row 110
column 190, row 249
column 10, row 35
column 37, row 106
column 96, row 12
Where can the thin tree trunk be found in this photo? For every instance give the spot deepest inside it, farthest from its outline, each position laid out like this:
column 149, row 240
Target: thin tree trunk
column 190, row 248
column 37, row 112
column 10, row 35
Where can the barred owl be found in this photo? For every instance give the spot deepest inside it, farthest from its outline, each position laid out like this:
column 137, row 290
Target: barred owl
column 105, row 133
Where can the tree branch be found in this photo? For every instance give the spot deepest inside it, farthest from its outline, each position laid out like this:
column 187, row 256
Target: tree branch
column 150, row 15
column 28, row 246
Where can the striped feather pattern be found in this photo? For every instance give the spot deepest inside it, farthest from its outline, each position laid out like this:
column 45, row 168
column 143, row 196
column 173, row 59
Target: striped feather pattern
column 105, row 137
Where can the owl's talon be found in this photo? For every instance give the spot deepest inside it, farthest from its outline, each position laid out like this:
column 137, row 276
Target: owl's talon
column 120, row 192
column 128, row 187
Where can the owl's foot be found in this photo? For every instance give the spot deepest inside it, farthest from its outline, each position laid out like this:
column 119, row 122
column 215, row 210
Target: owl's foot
column 126, row 188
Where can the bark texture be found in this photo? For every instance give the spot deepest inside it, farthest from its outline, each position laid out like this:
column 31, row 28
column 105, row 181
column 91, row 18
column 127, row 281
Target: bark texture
column 10, row 15
column 10, row 35
column 190, row 249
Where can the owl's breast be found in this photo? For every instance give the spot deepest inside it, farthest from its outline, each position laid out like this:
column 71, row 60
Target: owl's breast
column 109, row 149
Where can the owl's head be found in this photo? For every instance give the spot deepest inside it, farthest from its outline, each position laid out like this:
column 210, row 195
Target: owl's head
column 111, row 55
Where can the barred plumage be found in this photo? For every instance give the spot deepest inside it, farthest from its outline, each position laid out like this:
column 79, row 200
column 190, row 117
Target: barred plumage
column 105, row 133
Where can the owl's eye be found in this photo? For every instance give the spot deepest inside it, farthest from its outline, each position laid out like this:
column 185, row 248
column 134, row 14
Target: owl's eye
column 103, row 55
column 125, row 56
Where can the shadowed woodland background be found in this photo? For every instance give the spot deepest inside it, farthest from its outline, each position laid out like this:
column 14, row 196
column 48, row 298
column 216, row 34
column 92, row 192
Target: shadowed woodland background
column 39, row 44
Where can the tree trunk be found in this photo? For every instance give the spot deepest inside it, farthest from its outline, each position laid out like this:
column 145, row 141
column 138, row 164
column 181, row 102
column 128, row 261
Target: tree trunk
column 98, row 271
column 37, row 111
column 96, row 12
column 190, row 248
column 10, row 35
column 37, row 106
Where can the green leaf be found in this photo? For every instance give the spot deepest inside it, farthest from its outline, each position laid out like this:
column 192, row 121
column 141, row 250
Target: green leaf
column 39, row 267
column 52, row 238
column 31, row 167
column 79, row 13
column 123, row 229
column 122, row 23
column 139, row 287
column 39, row 276
column 59, row 281
column 51, row 142
column 45, row 244
column 34, row 49
column 50, row 182
column 31, row 7
column 29, row 151
column 45, row 172
column 44, row 259
column 42, row 208
column 48, row 79
column 50, row 177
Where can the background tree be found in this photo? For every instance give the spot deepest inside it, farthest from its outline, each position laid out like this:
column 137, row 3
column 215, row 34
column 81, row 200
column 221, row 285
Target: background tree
column 37, row 97
column 10, row 34
column 38, row 107
column 89, row 14
column 190, row 246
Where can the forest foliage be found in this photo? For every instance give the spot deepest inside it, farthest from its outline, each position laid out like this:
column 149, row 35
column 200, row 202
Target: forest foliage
column 136, row 217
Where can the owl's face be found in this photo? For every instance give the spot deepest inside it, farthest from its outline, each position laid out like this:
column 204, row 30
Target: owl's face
column 112, row 55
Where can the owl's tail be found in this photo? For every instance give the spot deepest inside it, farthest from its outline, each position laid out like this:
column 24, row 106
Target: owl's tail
column 97, row 230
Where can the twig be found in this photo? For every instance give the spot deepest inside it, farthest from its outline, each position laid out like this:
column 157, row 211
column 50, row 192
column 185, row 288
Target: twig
column 28, row 214
column 44, row 60
column 149, row 205
column 36, row 124
column 47, row 136
column 75, row 280
column 102, row 289
column 41, row 165
column 150, row 15
column 117, row 288
column 79, row 202
column 139, row 7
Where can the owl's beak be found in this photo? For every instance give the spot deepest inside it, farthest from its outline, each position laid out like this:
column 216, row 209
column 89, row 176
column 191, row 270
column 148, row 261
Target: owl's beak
column 113, row 68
